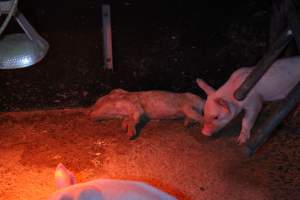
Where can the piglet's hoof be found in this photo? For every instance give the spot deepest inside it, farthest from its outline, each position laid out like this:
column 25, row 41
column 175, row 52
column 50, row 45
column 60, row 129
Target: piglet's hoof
column 243, row 137
column 188, row 123
column 125, row 126
column 132, row 134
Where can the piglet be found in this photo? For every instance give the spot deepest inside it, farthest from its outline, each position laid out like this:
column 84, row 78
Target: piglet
column 103, row 189
column 221, row 106
column 132, row 106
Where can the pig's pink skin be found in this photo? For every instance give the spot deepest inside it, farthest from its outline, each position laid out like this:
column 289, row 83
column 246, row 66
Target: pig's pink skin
column 278, row 81
column 107, row 189
column 63, row 177
column 103, row 189
column 131, row 106
column 207, row 131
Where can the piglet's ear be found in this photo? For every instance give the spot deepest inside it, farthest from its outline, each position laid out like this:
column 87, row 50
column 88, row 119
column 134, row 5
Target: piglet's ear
column 222, row 102
column 63, row 177
column 204, row 86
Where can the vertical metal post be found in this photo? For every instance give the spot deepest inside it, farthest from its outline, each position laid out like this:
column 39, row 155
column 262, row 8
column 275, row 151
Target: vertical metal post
column 107, row 37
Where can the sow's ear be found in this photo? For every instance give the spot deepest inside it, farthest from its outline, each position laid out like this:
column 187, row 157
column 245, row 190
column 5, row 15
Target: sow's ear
column 204, row 86
column 63, row 177
column 222, row 102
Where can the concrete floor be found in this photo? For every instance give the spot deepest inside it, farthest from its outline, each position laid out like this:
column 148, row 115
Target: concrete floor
column 167, row 155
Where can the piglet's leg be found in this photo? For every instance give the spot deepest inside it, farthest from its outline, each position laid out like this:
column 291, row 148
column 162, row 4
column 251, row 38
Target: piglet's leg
column 131, row 128
column 187, row 122
column 128, row 125
column 132, row 122
column 193, row 114
column 251, row 113
column 135, row 111
column 125, row 123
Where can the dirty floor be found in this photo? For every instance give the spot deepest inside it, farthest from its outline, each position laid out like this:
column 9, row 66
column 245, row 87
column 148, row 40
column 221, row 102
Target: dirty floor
column 166, row 154
column 161, row 45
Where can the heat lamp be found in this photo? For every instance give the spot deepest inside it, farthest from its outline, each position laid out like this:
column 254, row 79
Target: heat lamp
column 19, row 50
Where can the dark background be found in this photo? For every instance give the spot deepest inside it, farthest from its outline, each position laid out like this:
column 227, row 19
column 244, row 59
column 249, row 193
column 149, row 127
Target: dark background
column 161, row 45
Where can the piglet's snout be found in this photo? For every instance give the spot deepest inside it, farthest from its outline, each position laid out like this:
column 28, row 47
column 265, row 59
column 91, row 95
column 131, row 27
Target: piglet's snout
column 207, row 129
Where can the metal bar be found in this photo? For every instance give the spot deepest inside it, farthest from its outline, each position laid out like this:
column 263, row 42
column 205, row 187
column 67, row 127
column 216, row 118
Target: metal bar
column 265, row 130
column 9, row 8
column 263, row 65
column 107, row 37
column 293, row 19
column 31, row 33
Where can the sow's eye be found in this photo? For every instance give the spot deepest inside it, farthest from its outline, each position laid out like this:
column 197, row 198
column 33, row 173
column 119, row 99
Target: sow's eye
column 216, row 117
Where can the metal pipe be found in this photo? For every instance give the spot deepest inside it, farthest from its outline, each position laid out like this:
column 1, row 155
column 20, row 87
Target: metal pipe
column 31, row 33
column 266, row 129
column 107, row 37
column 292, row 11
column 263, row 65
column 8, row 7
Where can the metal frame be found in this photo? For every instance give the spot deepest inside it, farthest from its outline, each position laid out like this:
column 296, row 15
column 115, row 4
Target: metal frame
column 292, row 99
